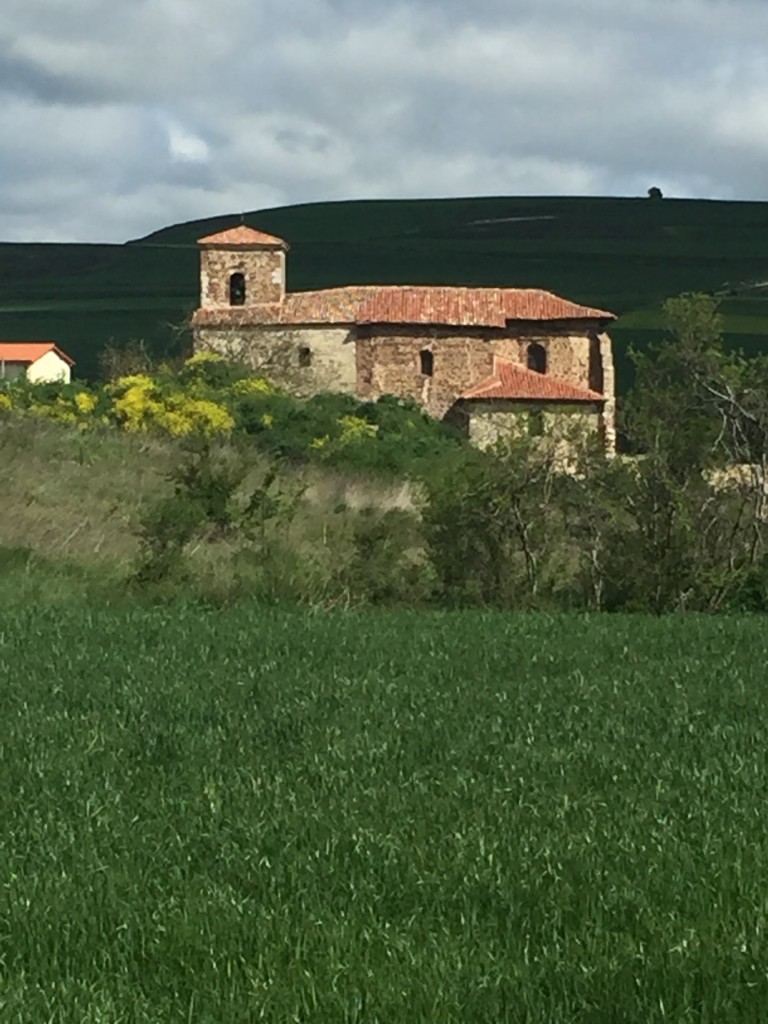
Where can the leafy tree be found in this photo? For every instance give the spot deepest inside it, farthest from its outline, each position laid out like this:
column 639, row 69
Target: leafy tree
column 489, row 523
column 696, row 495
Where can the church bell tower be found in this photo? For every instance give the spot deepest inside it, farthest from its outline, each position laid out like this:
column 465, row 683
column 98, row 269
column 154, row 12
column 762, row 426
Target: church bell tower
column 241, row 268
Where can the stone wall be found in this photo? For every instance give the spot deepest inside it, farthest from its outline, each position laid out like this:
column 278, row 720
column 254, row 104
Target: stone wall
column 305, row 360
column 388, row 362
column 609, row 390
column 489, row 422
column 263, row 269
column 388, row 359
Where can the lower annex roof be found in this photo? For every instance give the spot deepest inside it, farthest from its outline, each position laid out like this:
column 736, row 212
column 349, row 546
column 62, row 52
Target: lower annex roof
column 511, row 381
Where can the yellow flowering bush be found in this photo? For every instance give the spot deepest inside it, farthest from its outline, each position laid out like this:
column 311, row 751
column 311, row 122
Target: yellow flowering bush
column 355, row 429
column 59, row 410
column 63, row 403
column 138, row 381
column 142, row 408
column 201, row 358
column 85, row 403
column 252, row 386
column 136, row 405
column 181, row 416
column 212, row 396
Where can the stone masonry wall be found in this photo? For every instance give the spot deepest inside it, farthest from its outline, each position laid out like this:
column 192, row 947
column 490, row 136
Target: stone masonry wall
column 388, row 360
column 263, row 269
column 281, row 353
column 609, row 389
column 489, row 422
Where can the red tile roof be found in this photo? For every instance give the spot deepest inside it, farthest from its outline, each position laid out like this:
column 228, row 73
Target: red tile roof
column 242, row 235
column 467, row 307
column 511, row 381
column 30, row 351
column 406, row 304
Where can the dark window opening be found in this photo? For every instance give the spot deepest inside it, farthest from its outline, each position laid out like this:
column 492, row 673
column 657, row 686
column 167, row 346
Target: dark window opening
column 536, row 423
column 595, row 364
column 427, row 361
column 537, row 358
column 237, row 290
column 305, row 356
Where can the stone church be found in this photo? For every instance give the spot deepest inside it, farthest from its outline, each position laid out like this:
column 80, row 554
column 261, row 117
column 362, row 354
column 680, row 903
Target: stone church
column 491, row 360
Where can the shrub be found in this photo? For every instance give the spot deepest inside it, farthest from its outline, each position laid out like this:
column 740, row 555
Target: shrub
column 211, row 396
column 387, row 565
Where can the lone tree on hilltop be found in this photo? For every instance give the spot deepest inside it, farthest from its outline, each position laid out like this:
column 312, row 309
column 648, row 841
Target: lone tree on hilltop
column 655, row 193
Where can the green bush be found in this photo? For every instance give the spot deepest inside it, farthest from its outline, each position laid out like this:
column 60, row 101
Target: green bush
column 210, row 396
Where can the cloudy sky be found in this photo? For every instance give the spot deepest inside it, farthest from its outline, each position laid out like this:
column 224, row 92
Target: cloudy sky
column 119, row 118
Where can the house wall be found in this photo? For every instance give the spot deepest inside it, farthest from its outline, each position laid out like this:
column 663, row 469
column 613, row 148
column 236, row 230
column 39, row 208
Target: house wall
column 48, row 368
column 263, row 269
column 388, row 359
column 276, row 352
column 12, row 371
column 489, row 422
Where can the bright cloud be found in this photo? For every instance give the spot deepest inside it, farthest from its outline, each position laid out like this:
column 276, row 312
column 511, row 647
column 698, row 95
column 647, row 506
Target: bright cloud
column 186, row 147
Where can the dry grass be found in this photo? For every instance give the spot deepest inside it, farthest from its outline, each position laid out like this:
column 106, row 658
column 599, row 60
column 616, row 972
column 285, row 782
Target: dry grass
column 76, row 499
column 73, row 495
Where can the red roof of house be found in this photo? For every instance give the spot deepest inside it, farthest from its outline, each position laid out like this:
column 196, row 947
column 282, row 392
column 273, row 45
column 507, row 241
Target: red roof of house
column 30, row 351
column 511, row 381
column 407, row 304
column 242, row 235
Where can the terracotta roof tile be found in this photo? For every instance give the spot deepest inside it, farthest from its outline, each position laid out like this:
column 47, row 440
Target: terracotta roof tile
column 30, row 351
column 406, row 304
column 242, row 235
column 511, row 381
column 468, row 307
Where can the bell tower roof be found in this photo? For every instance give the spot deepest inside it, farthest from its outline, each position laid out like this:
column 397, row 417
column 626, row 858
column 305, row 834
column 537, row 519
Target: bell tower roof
column 242, row 237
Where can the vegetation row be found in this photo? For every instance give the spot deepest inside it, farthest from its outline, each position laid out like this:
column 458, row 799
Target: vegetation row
column 678, row 522
column 210, row 397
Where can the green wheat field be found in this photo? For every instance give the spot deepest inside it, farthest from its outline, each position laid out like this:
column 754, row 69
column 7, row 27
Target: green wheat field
column 220, row 815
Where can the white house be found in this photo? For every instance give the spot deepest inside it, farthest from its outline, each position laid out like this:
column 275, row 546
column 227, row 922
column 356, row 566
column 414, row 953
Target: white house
column 36, row 360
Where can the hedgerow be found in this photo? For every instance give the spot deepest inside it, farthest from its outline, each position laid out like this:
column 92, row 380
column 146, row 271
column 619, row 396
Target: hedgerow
column 212, row 397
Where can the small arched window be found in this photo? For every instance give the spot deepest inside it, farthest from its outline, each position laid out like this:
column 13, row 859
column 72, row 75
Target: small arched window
column 427, row 363
column 305, row 356
column 237, row 290
column 537, row 358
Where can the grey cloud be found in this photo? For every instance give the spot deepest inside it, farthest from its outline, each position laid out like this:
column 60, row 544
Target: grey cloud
column 174, row 109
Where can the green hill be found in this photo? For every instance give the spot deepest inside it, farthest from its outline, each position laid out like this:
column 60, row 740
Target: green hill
column 627, row 255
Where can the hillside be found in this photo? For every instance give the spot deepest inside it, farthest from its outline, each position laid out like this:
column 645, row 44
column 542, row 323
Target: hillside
column 622, row 254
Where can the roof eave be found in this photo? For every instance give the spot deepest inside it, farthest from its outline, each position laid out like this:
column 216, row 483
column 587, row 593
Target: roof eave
column 548, row 399
column 243, row 246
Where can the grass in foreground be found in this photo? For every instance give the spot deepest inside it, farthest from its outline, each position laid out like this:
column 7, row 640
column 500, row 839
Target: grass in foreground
column 252, row 814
